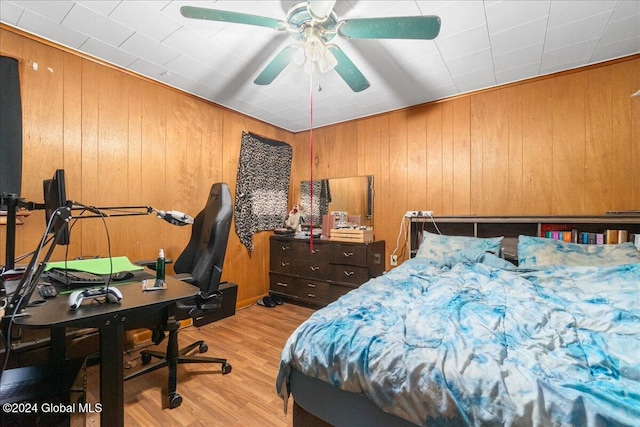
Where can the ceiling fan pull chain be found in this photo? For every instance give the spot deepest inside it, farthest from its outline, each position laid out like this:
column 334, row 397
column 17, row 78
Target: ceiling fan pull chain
column 311, row 159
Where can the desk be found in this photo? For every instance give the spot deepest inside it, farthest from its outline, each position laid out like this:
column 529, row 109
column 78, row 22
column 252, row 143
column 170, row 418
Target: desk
column 136, row 310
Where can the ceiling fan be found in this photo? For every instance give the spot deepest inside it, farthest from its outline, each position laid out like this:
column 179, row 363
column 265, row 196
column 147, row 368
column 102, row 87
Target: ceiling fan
column 313, row 24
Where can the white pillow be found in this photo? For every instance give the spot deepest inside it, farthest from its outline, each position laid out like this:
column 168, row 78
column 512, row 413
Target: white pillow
column 540, row 251
column 439, row 246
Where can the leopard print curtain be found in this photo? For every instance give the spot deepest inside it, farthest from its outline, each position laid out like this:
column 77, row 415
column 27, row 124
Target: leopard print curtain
column 262, row 186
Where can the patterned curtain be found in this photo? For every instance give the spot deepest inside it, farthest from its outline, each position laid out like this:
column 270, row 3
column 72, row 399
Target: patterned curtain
column 262, row 186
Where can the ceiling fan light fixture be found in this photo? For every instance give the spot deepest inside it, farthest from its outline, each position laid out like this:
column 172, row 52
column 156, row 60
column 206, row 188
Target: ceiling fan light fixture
column 327, row 61
column 299, row 57
column 313, row 50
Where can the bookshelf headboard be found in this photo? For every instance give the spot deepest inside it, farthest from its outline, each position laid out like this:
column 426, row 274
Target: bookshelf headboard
column 577, row 227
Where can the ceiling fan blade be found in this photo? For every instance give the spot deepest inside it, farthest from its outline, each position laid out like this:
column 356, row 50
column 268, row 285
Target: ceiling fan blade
column 321, row 8
column 348, row 70
column 275, row 67
column 233, row 17
column 400, row 27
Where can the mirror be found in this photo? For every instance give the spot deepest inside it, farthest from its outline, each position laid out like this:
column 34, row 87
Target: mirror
column 352, row 194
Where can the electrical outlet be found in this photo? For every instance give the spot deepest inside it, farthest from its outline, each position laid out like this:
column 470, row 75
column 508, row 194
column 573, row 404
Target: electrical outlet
column 394, row 260
column 418, row 214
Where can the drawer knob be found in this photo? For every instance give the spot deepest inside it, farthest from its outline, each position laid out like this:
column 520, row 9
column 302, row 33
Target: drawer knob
column 347, row 254
column 284, row 248
column 349, row 273
column 311, row 295
column 315, row 268
column 282, row 284
column 285, row 264
column 311, row 285
column 315, row 251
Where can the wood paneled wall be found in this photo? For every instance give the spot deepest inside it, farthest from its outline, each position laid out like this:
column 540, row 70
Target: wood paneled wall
column 568, row 144
column 123, row 141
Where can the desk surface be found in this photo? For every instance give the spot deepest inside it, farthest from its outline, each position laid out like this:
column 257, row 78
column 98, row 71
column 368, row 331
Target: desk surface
column 56, row 313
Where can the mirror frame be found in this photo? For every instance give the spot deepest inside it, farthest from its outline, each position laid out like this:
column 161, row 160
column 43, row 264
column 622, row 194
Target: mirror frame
column 369, row 190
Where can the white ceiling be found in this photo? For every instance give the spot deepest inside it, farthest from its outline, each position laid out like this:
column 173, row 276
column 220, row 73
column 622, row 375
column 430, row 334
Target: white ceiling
column 481, row 44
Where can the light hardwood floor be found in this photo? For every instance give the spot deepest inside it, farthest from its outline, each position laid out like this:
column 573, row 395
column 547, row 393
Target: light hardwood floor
column 251, row 340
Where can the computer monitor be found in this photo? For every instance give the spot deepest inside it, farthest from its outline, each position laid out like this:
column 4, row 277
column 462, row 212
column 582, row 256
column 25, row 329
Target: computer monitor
column 54, row 199
column 55, row 196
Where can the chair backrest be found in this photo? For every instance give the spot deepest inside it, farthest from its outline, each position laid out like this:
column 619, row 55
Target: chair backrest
column 204, row 255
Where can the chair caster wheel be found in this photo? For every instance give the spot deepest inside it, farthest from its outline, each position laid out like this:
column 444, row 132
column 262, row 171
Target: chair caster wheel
column 145, row 358
column 175, row 400
column 203, row 348
column 226, row 368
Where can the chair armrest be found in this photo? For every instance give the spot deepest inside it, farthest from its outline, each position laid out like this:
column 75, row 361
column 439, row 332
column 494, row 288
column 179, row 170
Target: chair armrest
column 184, row 277
column 203, row 303
column 209, row 301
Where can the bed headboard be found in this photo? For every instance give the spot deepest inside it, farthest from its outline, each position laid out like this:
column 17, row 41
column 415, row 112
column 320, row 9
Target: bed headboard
column 513, row 226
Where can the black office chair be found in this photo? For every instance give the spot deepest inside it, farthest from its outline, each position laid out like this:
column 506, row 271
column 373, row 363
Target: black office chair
column 201, row 265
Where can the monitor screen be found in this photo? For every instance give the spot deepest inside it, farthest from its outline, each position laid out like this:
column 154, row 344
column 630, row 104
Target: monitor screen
column 55, row 196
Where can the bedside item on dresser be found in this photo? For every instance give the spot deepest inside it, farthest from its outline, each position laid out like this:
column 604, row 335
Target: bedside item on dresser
column 358, row 235
column 295, row 217
column 283, row 232
column 327, row 225
column 322, row 275
column 354, row 220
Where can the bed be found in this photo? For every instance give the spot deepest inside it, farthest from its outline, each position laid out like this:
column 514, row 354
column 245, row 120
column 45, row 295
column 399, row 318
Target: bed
column 459, row 336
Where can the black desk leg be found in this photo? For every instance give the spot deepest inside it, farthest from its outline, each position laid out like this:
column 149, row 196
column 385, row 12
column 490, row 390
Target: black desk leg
column 112, row 373
column 58, row 344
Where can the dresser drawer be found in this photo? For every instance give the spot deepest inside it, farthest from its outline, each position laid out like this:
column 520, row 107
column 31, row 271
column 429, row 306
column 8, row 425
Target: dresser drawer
column 320, row 252
column 285, row 249
column 315, row 269
column 283, row 265
column 283, row 284
column 314, row 290
column 350, row 274
column 350, row 255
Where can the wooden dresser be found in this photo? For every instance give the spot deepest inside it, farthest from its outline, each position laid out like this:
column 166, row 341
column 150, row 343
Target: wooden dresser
column 323, row 275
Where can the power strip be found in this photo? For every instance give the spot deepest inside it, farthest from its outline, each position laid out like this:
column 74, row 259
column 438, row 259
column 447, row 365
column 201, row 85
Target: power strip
column 418, row 214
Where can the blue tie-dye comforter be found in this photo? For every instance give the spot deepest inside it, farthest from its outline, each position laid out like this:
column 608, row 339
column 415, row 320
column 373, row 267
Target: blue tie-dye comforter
column 474, row 340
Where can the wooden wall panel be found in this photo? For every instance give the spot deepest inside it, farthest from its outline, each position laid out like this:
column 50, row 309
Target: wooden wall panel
column 447, row 158
column 515, row 178
column 461, row 156
column 537, row 148
column 625, row 80
column 434, row 158
column 399, row 180
column 42, row 106
column 417, row 158
column 72, row 131
column 635, row 146
column 598, row 165
column 568, row 153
